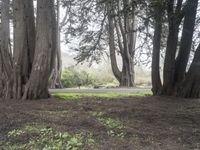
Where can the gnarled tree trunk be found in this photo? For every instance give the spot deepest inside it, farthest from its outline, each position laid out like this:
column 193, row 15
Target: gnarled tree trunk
column 37, row 86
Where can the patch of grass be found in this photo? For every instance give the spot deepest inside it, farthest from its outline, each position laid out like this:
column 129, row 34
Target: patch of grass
column 111, row 123
column 77, row 96
column 96, row 114
column 44, row 138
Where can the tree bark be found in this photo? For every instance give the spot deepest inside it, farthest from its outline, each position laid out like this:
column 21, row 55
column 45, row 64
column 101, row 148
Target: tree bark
column 155, row 73
column 24, row 44
column 55, row 78
column 186, row 41
column 190, row 88
column 172, row 41
column 126, row 35
column 37, row 86
column 111, row 27
column 129, row 40
column 6, row 65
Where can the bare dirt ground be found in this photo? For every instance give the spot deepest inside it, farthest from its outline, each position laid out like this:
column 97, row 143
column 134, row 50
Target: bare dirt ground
column 143, row 123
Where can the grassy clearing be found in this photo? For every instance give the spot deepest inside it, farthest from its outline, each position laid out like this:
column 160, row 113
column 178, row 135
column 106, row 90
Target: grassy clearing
column 77, row 96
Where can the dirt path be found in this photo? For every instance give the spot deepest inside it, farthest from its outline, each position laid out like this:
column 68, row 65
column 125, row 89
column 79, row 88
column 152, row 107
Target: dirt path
column 135, row 123
column 112, row 90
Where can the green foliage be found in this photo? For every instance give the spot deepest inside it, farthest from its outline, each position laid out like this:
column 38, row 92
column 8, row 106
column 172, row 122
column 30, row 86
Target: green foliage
column 46, row 139
column 73, row 78
column 114, row 126
column 77, row 96
column 111, row 123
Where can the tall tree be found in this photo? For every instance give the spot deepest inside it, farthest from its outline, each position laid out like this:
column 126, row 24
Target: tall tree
column 45, row 48
column 6, row 64
column 117, row 22
column 158, row 16
column 123, row 27
column 186, row 41
column 24, row 44
column 174, row 21
column 177, row 81
column 55, row 78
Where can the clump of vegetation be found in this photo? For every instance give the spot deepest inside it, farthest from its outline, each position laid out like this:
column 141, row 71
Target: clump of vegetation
column 46, row 139
column 111, row 123
column 115, row 126
column 73, row 78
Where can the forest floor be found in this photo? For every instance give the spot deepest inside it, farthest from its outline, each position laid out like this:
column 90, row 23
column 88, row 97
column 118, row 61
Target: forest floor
column 90, row 123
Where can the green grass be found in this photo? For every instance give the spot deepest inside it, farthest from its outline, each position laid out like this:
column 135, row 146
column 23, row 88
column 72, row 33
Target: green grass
column 77, row 96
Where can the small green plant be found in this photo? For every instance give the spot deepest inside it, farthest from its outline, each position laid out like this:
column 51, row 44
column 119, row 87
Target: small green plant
column 111, row 123
column 96, row 114
column 74, row 143
column 15, row 133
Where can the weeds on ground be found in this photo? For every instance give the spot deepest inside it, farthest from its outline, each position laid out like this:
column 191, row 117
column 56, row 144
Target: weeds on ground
column 114, row 126
column 46, row 139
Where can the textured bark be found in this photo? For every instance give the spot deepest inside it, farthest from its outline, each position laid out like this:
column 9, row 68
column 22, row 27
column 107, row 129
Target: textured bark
column 55, row 78
column 37, row 86
column 126, row 35
column 24, row 44
column 114, row 66
column 172, row 41
column 186, row 41
column 155, row 73
column 129, row 41
column 190, row 88
column 6, row 66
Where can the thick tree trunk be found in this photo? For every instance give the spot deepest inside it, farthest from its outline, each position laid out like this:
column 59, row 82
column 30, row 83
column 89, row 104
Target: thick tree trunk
column 24, row 44
column 172, row 41
column 169, row 64
column 37, row 86
column 186, row 41
column 190, row 88
column 6, row 66
column 127, row 78
column 155, row 73
column 55, row 78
